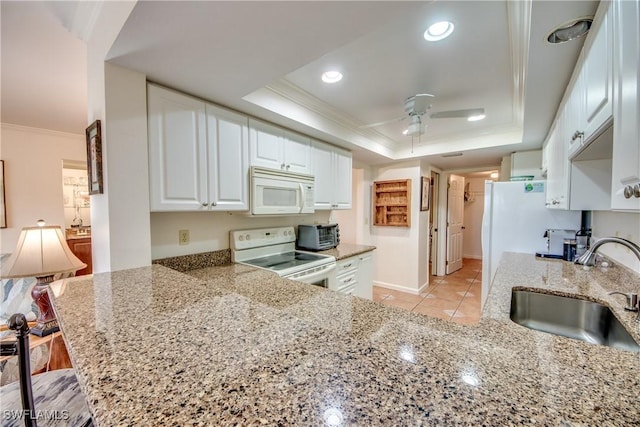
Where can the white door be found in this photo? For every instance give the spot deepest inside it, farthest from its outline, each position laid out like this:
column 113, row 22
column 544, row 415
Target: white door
column 228, row 160
column 177, row 151
column 265, row 145
column 455, row 218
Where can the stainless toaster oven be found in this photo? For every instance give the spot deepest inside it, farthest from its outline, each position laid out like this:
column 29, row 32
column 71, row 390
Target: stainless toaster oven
column 318, row 237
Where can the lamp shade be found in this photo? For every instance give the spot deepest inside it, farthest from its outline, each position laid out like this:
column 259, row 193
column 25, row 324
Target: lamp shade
column 41, row 251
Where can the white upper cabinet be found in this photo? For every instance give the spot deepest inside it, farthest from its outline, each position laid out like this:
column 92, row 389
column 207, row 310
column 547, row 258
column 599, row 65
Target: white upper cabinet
column 272, row 147
column 590, row 104
column 198, row 154
column 177, row 151
column 626, row 142
column 332, row 177
column 598, row 79
column 557, row 193
column 227, row 135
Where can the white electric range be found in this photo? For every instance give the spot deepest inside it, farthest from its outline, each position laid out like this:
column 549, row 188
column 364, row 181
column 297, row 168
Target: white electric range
column 274, row 249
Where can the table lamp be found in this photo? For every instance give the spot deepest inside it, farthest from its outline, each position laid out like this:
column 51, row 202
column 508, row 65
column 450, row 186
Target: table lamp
column 42, row 252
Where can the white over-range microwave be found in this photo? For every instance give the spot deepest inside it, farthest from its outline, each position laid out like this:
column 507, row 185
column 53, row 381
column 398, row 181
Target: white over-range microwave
column 276, row 192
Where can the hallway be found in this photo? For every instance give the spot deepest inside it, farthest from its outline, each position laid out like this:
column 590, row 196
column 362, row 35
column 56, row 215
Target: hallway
column 455, row 297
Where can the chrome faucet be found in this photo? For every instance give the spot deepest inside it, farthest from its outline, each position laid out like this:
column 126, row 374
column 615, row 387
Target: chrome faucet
column 589, row 257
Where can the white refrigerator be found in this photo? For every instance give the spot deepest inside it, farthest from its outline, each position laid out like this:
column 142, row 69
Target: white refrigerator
column 515, row 219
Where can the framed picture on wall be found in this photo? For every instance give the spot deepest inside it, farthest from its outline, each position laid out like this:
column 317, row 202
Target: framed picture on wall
column 94, row 158
column 3, row 208
column 424, row 193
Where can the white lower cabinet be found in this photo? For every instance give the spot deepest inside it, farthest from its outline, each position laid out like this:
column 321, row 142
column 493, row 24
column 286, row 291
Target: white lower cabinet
column 354, row 275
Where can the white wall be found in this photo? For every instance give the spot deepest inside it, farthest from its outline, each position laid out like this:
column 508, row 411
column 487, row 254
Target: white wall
column 127, row 90
column 399, row 248
column 473, row 211
column 209, row 231
column 33, row 177
column 619, row 224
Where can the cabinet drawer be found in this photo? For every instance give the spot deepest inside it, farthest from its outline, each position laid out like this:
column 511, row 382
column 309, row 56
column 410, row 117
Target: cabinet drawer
column 346, row 265
column 347, row 280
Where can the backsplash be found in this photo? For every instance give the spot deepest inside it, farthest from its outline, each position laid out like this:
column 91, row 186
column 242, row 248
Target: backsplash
column 209, row 231
column 619, row 224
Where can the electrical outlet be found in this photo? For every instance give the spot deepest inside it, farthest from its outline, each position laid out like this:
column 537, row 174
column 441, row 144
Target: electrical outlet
column 183, row 237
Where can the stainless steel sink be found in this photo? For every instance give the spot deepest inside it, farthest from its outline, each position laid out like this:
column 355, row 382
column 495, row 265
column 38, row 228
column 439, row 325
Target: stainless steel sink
column 570, row 317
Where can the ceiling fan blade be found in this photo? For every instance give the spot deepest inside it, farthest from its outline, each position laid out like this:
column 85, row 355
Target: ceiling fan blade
column 418, row 104
column 454, row 114
column 372, row 125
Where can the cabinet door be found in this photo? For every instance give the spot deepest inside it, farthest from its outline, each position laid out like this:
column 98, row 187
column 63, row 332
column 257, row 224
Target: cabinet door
column 177, row 151
column 572, row 118
column 82, row 249
column 626, row 148
column 324, row 178
column 342, row 174
column 557, row 173
column 297, row 153
column 364, row 289
column 266, row 145
column 228, row 159
column 598, row 79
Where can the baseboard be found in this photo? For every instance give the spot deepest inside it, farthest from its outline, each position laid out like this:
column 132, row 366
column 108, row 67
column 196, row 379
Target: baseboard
column 472, row 256
column 401, row 288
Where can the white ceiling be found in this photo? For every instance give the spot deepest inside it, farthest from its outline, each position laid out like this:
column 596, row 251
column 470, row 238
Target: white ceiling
column 265, row 59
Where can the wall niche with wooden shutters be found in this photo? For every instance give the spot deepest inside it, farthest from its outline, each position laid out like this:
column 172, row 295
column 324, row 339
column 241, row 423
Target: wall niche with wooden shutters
column 392, row 203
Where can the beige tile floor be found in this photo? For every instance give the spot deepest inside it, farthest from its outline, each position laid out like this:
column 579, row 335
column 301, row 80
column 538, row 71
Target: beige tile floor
column 454, row 297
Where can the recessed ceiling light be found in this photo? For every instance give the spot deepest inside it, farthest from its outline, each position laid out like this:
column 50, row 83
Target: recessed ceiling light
column 570, row 30
column 438, row 31
column 476, row 118
column 406, row 131
column 331, row 76
column 494, row 175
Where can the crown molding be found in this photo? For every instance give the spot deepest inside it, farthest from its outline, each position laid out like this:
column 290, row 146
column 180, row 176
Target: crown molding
column 293, row 93
column 41, row 131
column 519, row 21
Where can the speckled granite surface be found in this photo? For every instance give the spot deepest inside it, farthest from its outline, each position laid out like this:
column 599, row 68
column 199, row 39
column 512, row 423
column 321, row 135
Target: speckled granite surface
column 346, row 250
column 233, row 345
column 192, row 262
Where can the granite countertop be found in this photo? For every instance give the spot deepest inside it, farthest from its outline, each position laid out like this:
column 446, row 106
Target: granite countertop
column 346, row 250
column 233, row 344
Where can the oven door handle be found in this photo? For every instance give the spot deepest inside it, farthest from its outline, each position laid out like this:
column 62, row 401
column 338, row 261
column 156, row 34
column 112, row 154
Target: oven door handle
column 310, row 278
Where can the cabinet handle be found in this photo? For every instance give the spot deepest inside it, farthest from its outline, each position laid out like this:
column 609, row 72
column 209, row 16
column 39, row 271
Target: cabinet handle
column 288, row 166
column 555, row 202
column 636, row 190
column 348, row 280
column 205, row 204
column 347, row 265
column 628, row 192
column 282, row 166
column 213, row 204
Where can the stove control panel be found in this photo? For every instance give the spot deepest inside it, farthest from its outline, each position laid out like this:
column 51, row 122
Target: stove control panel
column 247, row 239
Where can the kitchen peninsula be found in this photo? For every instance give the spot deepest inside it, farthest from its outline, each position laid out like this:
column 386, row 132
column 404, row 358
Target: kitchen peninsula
column 232, row 344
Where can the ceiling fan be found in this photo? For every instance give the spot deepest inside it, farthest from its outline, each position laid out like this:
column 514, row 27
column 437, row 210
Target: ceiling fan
column 417, row 105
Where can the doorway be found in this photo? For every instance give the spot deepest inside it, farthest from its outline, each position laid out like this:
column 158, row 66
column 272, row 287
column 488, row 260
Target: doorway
column 433, row 222
column 455, row 223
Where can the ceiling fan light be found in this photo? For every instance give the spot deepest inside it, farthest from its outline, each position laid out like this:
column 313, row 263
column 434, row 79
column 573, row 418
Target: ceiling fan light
column 476, row 118
column 438, row 31
column 331, row 76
